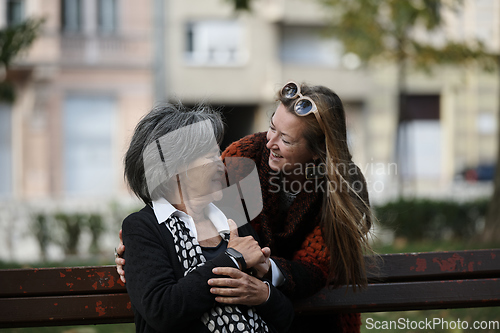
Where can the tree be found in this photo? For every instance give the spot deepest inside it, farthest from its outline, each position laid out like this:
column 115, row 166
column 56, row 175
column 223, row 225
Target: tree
column 491, row 230
column 96, row 227
column 389, row 33
column 41, row 229
column 14, row 40
column 71, row 225
column 387, row 30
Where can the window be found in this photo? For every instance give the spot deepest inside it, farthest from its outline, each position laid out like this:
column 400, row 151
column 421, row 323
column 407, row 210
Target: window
column 88, row 150
column 420, row 133
column 5, row 150
column 14, row 12
column 422, row 151
column 107, row 16
column 214, row 43
column 306, row 45
column 486, row 123
column 71, row 15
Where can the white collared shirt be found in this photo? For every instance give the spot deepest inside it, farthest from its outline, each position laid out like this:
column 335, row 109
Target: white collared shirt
column 164, row 210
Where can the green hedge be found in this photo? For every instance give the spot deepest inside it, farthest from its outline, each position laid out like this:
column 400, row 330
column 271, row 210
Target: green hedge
column 71, row 226
column 419, row 219
column 65, row 229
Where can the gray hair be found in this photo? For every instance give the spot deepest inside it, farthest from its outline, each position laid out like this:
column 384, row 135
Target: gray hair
column 164, row 142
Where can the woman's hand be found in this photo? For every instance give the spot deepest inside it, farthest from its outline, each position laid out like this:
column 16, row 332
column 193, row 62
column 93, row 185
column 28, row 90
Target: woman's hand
column 119, row 261
column 263, row 268
column 238, row 288
column 247, row 246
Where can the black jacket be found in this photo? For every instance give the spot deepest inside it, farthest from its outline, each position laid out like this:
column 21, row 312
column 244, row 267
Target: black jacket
column 163, row 299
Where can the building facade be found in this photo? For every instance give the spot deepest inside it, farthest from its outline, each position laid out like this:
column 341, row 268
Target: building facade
column 99, row 65
column 80, row 88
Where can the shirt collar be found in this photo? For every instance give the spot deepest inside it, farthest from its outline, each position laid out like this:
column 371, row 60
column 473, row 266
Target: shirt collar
column 164, row 210
column 218, row 218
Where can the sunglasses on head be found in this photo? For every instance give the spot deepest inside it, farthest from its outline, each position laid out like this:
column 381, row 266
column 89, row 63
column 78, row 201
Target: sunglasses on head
column 303, row 105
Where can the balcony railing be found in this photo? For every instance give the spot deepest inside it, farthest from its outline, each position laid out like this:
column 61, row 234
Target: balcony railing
column 106, row 50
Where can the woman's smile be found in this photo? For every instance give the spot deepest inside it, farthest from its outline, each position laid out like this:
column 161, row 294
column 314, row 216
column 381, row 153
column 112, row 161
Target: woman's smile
column 275, row 155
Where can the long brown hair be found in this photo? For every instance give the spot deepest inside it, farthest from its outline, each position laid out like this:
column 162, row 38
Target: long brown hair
column 346, row 214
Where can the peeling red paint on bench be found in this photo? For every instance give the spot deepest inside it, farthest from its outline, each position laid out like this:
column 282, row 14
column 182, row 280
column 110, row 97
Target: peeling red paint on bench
column 449, row 264
column 421, row 265
column 99, row 309
column 470, row 267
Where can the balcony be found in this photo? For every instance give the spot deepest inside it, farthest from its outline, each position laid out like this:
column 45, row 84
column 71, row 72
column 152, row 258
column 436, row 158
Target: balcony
column 107, row 51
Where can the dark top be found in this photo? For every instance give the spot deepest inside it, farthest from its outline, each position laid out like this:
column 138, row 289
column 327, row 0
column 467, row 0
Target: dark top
column 163, row 299
column 212, row 252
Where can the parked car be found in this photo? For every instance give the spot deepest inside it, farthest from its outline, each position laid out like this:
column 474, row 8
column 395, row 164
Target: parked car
column 483, row 172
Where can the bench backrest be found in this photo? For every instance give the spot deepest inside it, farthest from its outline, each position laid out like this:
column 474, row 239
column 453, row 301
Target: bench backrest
column 414, row 281
column 96, row 295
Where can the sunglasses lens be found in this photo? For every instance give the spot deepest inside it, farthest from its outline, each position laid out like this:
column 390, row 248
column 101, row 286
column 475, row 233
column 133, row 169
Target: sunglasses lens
column 290, row 90
column 303, row 106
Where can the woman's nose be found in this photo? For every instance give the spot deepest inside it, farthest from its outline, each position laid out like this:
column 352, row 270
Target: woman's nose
column 271, row 139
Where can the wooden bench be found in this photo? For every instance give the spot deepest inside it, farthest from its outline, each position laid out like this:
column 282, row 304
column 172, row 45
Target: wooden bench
column 95, row 295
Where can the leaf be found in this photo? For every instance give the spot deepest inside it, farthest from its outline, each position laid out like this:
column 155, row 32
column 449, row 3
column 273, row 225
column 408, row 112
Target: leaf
column 386, row 28
column 240, row 5
column 357, row 29
column 453, row 53
column 17, row 38
column 7, row 92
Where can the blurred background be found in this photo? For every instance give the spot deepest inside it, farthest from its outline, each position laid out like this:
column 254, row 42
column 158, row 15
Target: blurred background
column 419, row 80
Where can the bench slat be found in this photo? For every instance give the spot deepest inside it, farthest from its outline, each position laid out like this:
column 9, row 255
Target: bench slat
column 112, row 308
column 439, row 265
column 394, row 267
column 405, row 296
column 65, row 310
column 60, row 281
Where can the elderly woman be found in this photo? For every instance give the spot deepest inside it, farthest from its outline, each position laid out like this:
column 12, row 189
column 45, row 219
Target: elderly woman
column 180, row 239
